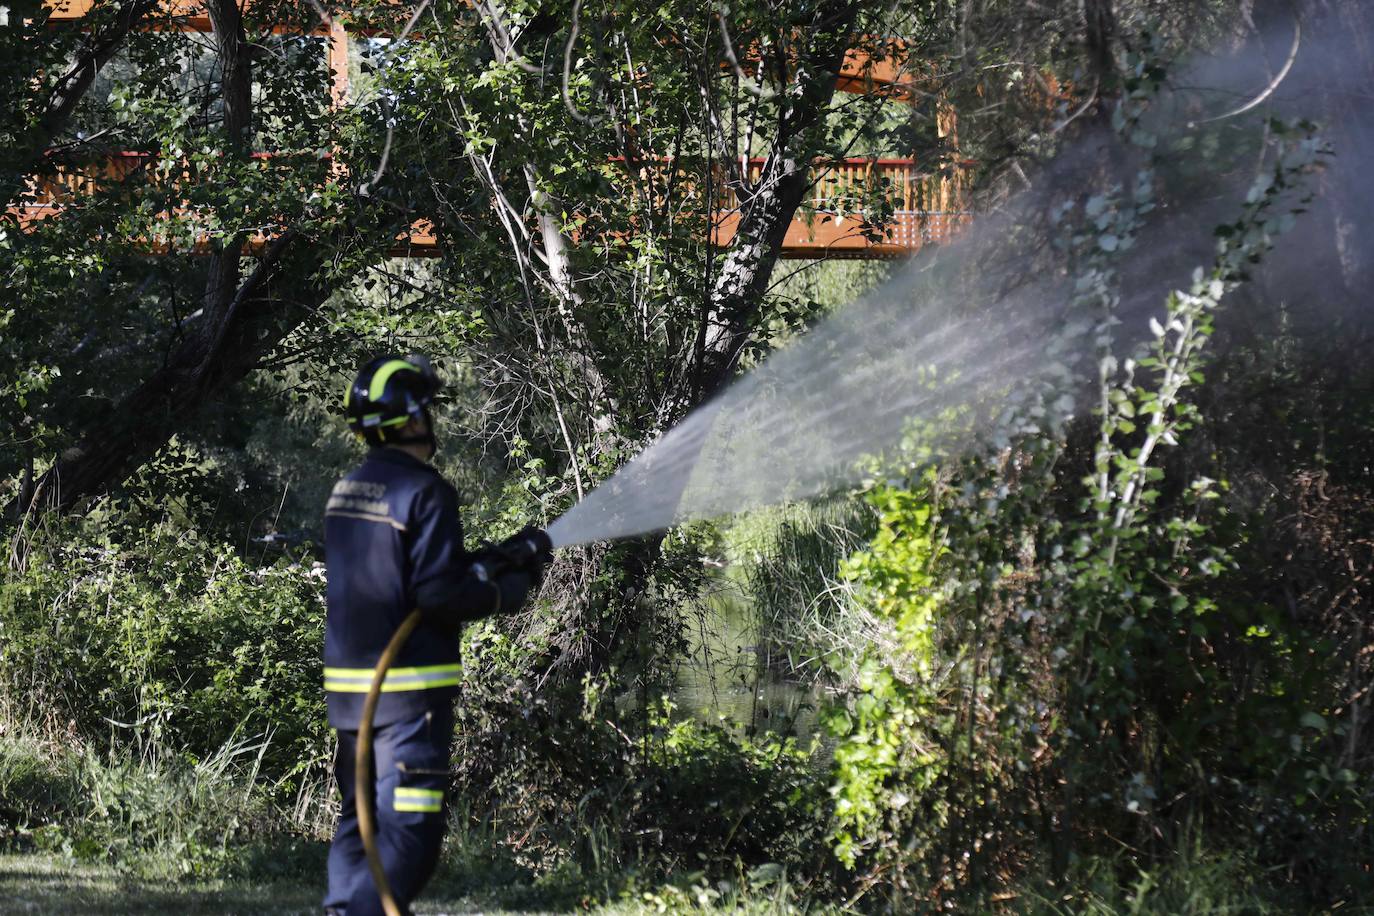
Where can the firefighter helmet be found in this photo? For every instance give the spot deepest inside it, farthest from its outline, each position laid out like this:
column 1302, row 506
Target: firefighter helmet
column 387, row 392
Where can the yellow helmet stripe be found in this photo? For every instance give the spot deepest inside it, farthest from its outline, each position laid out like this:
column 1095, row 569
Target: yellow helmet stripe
column 383, row 374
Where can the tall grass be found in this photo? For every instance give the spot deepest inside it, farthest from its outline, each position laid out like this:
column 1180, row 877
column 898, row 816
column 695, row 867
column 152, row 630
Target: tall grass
column 151, row 811
column 38, row 781
column 1194, row 882
column 788, row 563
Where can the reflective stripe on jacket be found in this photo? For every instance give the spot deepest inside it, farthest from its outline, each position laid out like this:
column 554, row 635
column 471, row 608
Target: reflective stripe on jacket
column 359, row 680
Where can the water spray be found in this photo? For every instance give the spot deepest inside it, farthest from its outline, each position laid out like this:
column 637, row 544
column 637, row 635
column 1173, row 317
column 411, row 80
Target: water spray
column 971, row 344
column 811, row 418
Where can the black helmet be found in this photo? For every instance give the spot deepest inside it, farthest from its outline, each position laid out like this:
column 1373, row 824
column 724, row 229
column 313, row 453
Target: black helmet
column 387, row 392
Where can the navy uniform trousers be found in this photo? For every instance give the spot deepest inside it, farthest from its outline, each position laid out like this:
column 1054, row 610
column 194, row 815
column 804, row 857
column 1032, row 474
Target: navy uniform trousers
column 411, row 776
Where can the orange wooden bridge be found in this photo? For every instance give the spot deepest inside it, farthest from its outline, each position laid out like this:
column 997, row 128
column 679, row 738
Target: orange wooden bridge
column 925, row 206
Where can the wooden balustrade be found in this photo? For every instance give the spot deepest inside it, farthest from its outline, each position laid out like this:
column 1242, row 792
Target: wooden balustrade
column 926, row 207
column 847, row 184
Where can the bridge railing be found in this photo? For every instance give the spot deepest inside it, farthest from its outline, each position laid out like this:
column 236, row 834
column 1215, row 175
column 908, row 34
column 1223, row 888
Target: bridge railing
column 855, row 207
column 865, row 208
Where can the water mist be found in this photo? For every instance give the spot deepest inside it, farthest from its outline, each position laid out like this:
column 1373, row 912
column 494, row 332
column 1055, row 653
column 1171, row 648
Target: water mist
column 956, row 345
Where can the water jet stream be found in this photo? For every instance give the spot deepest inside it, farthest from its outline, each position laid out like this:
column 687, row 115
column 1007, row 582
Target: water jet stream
column 798, row 425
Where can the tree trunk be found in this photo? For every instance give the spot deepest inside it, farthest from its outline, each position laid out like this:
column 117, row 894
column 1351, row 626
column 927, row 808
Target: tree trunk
column 768, row 211
column 204, row 365
column 236, row 85
column 243, row 321
column 1099, row 30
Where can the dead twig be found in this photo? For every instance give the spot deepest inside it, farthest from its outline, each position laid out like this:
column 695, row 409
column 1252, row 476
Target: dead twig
column 365, row 188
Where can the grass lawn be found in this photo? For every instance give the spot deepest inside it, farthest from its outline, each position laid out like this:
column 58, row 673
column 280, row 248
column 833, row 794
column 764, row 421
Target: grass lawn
column 51, row 884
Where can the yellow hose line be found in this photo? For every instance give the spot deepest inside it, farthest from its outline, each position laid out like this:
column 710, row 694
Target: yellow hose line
column 362, row 765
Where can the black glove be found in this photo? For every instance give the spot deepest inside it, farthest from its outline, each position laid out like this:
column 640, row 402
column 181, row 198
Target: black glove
column 529, row 549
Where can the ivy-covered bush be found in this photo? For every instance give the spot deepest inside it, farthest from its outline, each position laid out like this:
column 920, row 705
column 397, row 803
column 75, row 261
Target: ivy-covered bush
column 887, row 755
column 1087, row 642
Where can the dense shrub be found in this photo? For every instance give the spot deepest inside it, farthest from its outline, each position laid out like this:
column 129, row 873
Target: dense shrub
column 1105, row 629
column 583, row 774
column 164, row 638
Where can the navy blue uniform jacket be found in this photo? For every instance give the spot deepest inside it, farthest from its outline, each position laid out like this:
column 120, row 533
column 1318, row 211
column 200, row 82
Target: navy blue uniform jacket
column 393, row 543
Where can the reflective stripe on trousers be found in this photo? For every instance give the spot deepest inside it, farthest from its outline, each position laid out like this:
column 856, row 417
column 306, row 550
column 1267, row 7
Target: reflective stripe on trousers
column 426, row 801
column 411, row 760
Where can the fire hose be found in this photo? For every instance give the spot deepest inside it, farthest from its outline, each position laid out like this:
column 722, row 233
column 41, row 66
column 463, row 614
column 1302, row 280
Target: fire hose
column 362, row 764
column 517, row 552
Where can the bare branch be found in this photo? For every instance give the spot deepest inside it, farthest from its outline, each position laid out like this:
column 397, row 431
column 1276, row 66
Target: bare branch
column 1273, row 84
column 366, row 186
column 414, row 18
column 567, row 70
column 1092, row 97
column 756, row 86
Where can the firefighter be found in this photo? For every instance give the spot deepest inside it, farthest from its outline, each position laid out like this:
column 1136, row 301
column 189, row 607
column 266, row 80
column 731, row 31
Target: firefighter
column 393, row 543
